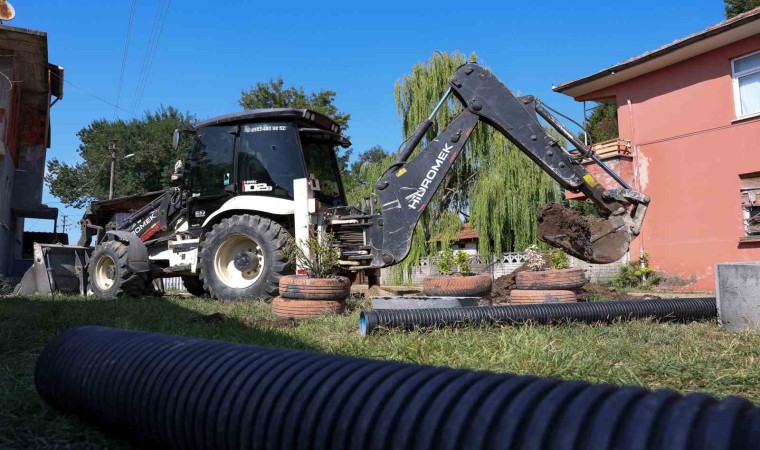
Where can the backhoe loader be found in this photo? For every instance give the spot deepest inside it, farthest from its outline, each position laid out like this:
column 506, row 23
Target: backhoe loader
column 253, row 179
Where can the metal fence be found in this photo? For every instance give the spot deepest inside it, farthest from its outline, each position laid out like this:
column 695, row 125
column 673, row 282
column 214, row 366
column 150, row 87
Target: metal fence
column 174, row 284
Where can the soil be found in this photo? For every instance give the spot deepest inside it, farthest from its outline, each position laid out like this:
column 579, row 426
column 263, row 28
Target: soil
column 219, row 318
column 592, row 291
column 502, row 287
column 566, row 226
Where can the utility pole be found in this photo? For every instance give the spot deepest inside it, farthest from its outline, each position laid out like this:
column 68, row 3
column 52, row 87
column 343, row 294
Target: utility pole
column 112, row 148
column 63, row 229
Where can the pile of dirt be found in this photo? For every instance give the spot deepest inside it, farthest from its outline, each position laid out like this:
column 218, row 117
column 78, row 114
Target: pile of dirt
column 567, row 227
column 503, row 286
column 220, row 318
column 592, row 292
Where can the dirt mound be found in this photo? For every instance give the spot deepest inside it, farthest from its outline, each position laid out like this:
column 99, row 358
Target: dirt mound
column 592, row 292
column 503, row 286
column 567, row 227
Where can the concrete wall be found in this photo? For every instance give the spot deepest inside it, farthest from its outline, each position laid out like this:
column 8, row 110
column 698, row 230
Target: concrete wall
column 688, row 152
column 505, row 264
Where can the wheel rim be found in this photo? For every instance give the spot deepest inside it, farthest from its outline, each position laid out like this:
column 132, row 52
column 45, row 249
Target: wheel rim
column 224, row 262
column 105, row 273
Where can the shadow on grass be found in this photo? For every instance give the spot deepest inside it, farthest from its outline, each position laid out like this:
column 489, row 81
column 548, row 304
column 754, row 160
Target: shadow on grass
column 28, row 324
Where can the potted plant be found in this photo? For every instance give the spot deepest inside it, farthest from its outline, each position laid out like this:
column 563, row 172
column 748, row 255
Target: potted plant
column 320, row 290
column 548, row 278
column 463, row 283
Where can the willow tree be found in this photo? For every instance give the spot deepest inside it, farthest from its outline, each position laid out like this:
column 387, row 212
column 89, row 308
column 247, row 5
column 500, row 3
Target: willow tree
column 492, row 183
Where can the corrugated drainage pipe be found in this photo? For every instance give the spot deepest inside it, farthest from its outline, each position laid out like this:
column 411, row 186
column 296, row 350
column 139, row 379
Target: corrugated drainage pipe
column 546, row 313
column 176, row 392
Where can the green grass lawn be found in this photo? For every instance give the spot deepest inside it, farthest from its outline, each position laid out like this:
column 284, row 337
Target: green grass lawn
column 686, row 357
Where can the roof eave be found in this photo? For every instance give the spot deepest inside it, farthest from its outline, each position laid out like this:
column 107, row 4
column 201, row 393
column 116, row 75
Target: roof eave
column 719, row 35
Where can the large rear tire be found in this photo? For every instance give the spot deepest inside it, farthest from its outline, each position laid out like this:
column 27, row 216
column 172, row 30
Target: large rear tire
column 109, row 274
column 241, row 258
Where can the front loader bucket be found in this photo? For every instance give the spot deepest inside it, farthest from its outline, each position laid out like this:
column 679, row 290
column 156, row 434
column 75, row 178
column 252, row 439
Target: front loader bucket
column 56, row 268
column 593, row 239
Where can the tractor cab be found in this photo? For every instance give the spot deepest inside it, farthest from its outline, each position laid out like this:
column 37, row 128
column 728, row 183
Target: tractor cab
column 261, row 152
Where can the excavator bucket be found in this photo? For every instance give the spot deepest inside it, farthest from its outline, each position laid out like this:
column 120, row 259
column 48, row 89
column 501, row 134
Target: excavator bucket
column 56, row 268
column 593, row 239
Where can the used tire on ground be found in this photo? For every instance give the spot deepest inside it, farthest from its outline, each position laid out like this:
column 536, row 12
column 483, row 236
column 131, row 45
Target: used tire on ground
column 302, row 309
column 521, row 297
column 241, row 258
column 301, row 287
column 109, row 274
column 551, row 279
column 194, row 286
column 458, row 285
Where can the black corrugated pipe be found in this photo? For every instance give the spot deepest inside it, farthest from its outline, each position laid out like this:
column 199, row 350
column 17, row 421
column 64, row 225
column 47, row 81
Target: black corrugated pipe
column 546, row 313
column 177, row 392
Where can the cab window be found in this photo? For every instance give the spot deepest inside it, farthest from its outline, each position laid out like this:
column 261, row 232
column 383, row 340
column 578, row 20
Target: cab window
column 209, row 164
column 321, row 162
column 269, row 159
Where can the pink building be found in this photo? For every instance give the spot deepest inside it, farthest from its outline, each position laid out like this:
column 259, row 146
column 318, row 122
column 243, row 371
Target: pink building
column 689, row 128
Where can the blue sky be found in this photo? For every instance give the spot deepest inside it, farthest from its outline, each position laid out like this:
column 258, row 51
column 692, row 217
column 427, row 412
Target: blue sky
column 210, row 50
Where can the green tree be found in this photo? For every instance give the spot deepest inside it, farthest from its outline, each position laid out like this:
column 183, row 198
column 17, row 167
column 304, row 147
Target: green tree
column 274, row 94
column 736, row 7
column 493, row 184
column 150, row 140
column 360, row 178
column 602, row 124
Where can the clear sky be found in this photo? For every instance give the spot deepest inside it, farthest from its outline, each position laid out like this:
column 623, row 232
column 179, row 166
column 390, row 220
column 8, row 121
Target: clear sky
column 210, row 50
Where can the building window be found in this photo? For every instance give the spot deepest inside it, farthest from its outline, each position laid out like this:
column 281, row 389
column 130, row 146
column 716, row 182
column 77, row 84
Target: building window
column 750, row 189
column 746, row 79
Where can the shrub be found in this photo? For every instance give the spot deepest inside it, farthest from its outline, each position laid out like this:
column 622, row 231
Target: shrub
column 446, row 261
column 322, row 258
column 637, row 274
column 462, row 262
column 558, row 259
column 534, row 259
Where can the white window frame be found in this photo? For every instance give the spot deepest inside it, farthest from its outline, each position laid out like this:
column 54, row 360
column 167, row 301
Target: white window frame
column 735, row 82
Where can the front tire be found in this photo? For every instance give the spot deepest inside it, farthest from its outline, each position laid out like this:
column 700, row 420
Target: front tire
column 241, row 258
column 109, row 274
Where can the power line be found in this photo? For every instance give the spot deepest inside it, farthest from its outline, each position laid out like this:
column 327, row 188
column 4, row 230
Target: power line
column 152, row 55
column 162, row 11
column 91, row 94
column 124, row 57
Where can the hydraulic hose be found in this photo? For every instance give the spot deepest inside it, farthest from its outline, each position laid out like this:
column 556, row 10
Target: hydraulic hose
column 546, row 313
column 176, row 392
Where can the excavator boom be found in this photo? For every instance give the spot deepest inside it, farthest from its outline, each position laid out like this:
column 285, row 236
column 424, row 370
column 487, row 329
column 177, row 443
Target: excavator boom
column 406, row 188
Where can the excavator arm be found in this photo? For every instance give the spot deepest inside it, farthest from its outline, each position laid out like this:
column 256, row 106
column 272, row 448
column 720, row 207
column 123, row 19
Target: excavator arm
column 405, row 190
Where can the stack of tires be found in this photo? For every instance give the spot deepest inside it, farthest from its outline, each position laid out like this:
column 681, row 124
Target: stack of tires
column 458, row 286
column 547, row 286
column 302, row 297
